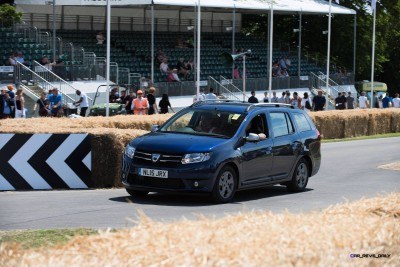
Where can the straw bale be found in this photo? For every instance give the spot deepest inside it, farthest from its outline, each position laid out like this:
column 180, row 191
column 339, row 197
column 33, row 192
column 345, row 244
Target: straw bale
column 395, row 166
column 120, row 122
column 326, row 238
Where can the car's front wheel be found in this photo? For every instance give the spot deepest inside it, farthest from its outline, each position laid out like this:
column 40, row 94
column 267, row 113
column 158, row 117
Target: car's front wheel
column 300, row 177
column 225, row 185
column 136, row 193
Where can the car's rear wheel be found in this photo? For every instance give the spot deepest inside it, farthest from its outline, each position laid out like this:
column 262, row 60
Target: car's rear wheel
column 300, row 177
column 136, row 193
column 225, row 185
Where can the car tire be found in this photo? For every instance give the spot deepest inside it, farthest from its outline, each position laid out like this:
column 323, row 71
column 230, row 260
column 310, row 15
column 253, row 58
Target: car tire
column 225, row 185
column 136, row 193
column 300, row 177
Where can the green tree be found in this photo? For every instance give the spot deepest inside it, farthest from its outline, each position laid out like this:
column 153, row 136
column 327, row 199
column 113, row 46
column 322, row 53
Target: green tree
column 9, row 15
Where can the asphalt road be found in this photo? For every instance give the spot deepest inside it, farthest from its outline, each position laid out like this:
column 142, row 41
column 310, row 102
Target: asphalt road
column 348, row 171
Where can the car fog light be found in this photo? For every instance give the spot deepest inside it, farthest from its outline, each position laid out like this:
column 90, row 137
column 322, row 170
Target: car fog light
column 196, row 184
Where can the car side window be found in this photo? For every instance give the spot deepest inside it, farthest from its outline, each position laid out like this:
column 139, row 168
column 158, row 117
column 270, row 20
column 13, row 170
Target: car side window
column 258, row 125
column 281, row 124
column 289, row 123
column 302, row 122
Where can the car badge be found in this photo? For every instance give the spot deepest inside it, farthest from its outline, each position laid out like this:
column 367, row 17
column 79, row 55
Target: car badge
column 155, row 157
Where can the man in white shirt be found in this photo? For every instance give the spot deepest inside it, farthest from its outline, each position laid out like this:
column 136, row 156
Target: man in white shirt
column 82, row 102
column 363, row 101
column 202, row 96
column 396, row 101
column 274, row 98
column 211, row 95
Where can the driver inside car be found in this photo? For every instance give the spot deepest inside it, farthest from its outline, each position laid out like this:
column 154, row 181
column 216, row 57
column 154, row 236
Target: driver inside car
column 255, row 127
column 207, row 124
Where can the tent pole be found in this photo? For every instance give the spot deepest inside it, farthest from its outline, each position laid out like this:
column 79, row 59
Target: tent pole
column 329, row 45
column 108, row 58
column 299, row 54
column 271, row 34
column 233, row 38
column 198, row 47
column 152, row 44
column 355, row 46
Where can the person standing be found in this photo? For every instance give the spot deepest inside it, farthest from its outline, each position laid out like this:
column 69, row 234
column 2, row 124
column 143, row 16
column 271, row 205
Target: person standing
column 140, row 104
column 376, row 100
column 211, row 95
column 128, row 103
column 396, row 101
column 152, row 101
column 282, row 99
column 287, row 98
column 363, row 101
column 350, row 101
column 6, row 105
column 319, row 102
column 164, row 104
column 274, row 98
column 55, row 103
column 305, row 103
column 386, row 101
column 253, row 98
column 202, row 96
column 19, row 105
column 296, row 100
column 43, row 103
column 265, row 99
column 343, row 101
column 82, row 102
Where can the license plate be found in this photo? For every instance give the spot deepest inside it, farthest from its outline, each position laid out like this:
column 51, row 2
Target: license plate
column 153, row 173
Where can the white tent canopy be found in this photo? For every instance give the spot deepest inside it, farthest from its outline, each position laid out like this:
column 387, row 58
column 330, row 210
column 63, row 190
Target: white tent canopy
column 304, row 6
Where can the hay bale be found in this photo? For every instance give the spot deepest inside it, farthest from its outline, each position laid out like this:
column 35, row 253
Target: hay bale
column 326, row 238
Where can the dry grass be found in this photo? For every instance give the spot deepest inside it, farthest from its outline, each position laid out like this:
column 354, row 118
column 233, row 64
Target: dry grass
column 82, row 124
column 395, row 166
column 324, row 238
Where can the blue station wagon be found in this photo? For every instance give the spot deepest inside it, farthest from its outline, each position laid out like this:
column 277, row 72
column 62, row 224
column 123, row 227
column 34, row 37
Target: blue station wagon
column 221, row 147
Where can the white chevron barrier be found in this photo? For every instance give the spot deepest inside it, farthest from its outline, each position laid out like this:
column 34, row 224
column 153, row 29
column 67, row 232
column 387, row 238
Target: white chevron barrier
column 45, row 161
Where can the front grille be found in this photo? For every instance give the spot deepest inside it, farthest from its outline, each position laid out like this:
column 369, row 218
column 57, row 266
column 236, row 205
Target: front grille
column 142, row 157
column 169, row 183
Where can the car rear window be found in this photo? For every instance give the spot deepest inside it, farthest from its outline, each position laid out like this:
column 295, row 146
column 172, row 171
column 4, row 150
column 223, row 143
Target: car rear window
column 302, row 122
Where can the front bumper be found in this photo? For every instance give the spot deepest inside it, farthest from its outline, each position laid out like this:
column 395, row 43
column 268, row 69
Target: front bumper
column 196, row 177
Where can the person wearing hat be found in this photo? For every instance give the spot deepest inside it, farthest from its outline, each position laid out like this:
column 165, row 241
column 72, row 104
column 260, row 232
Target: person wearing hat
column 140, row 104
column 173, row 76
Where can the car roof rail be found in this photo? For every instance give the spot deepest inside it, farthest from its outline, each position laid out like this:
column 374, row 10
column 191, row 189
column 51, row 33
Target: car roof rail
column 212, row 101
column 271, row 105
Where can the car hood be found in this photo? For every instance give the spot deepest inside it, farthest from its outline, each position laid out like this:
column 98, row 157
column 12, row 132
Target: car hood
column 176, row 143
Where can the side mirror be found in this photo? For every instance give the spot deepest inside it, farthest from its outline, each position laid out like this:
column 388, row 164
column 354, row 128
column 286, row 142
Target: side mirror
column 252, row 137
column 154, row 128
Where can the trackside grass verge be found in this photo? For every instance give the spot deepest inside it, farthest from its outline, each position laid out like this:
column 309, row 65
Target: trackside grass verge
column 43, row 238
column 363, row 233
column 366, row 137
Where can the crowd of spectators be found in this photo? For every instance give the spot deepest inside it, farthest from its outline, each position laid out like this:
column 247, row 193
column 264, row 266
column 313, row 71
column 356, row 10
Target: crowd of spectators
column 141, row 103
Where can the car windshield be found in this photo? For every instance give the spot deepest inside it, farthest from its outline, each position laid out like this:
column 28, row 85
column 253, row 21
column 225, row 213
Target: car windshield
column 223, row 124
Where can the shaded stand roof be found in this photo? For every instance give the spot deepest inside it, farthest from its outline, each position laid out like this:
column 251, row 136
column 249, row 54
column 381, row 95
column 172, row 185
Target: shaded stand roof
column 248, row 6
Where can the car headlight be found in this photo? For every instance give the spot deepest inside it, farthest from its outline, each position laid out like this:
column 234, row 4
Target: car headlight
column 195, row 157
column 130, row 151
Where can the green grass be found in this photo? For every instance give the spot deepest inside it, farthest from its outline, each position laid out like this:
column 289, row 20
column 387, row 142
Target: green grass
column 43, row 238
column 362, row 137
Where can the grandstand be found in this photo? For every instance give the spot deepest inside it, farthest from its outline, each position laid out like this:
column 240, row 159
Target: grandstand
column 131, row 50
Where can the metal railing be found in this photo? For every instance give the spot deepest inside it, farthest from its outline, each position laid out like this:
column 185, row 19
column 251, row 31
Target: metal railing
column 232, row 87
column 224, row 92
column 29, row 78
column 318, row 82
column 55, row 75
